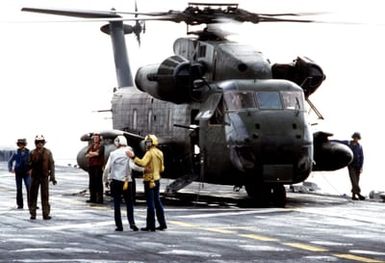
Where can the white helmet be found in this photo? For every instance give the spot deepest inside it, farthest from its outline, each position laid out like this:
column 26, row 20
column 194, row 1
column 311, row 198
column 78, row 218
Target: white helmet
column 39, row 138
column 120, row 140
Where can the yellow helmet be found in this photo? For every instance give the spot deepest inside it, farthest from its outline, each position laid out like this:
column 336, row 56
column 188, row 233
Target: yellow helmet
column 152, row 138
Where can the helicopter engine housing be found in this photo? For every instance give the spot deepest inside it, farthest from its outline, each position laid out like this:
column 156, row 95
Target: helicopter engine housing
column 172, row 80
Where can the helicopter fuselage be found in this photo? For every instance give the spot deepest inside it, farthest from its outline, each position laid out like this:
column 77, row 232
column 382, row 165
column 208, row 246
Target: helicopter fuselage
column 250, row 125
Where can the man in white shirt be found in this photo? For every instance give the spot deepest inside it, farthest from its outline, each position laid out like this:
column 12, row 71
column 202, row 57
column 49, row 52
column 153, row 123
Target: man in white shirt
column 116, row 173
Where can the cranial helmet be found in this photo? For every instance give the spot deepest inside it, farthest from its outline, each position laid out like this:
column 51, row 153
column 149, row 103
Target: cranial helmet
column 152, row 138
column 39, row 138
column 120, row 140
column 21, row 141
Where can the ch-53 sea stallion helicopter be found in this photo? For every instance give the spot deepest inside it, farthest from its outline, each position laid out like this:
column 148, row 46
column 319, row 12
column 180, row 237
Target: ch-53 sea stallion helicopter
column 223, row 113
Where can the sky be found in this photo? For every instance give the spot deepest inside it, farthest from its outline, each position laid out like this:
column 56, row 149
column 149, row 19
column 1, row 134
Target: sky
column 56, row 75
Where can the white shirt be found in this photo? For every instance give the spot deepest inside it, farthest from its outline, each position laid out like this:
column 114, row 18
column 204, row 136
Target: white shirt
column 119, row 165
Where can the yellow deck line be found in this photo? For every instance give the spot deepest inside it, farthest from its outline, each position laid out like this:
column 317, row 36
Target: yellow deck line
column 306, row 247
column 358, row 258
column 259, row 237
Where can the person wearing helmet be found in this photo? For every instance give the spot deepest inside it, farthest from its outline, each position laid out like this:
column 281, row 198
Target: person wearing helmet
column 42, row 169
column 116, row 175
column 18, row 164
column 153, row 163
column 95, row 156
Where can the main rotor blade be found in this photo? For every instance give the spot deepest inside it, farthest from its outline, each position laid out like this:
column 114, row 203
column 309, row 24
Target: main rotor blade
column 73, row 13
column 273, row 19
column 92, row 15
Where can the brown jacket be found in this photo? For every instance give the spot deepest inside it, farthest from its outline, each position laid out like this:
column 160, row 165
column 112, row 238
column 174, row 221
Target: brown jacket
column 42, row 164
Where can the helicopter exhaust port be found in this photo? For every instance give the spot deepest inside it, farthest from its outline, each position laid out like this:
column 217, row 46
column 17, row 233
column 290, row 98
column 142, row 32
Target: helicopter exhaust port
column 302, row 71
column 172, row 80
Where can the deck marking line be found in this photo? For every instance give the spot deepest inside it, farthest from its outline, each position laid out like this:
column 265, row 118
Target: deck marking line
column 183, row 224
column 358, row 258
column 306, row 247
column 259, row 237
column 219, row 230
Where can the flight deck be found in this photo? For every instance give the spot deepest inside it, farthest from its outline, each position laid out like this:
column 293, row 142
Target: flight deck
column 206, row 223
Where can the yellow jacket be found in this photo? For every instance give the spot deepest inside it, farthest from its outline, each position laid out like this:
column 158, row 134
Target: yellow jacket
column 152, row 161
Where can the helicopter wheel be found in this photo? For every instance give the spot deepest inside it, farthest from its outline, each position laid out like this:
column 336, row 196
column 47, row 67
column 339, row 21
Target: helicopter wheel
column 264, row 194
column 259, row 193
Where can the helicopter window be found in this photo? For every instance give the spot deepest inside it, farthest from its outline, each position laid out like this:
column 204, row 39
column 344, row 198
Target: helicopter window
column 169, row 119
column 292, row 100
column 135, row 119
column 217, row 117
column 202, row 51
column 149, row 120
column 269, row 100
column 239, row 100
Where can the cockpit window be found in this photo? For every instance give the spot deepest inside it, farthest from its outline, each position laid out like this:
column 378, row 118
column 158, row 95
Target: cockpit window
column 239, row 100
column 264, row 100
column 292, row 100
column 269, row 100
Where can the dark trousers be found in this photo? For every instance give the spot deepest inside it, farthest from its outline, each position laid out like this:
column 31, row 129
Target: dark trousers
column 117, row 193
column 154, row 205
column 96, row 184
column 42, row 182
column 354, row 175
column 20, row 177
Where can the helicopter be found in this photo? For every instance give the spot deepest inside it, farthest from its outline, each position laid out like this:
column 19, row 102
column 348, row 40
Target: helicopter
column 223, row 113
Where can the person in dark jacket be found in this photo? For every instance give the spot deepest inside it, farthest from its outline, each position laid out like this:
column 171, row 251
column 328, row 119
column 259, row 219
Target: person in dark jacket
column 95, row 156
column 355, row 167
column 42, row 169
column 18, row 164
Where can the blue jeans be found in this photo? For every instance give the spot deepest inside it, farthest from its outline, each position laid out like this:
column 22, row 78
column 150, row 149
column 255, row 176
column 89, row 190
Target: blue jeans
column 154, row 204
column 20, row 177
column 117, row 193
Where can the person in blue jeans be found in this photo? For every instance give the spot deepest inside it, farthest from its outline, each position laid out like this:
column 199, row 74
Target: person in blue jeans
column 153, row 163
column 18, row 164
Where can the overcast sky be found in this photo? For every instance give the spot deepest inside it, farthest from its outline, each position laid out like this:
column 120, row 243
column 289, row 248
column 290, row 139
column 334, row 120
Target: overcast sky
column 55, row 75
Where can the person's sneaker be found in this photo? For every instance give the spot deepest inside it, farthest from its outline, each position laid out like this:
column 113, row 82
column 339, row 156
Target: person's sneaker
column 354, row 197
column 47, row 217
column 161, row 228
column 361, row 197
column 19, row 207
column 148, row 229
column 134, row 228
column 33, row 217
column 119, row 229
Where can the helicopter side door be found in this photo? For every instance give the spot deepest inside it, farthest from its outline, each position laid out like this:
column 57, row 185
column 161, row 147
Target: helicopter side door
column 215, row 162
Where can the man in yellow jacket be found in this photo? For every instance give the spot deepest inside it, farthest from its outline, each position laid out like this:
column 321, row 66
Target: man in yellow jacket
column 153, row 164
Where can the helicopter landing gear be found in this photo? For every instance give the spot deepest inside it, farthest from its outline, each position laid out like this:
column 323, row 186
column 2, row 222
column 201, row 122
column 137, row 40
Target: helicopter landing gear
column 278, row 195
column 266, row 194
column 179, row 183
